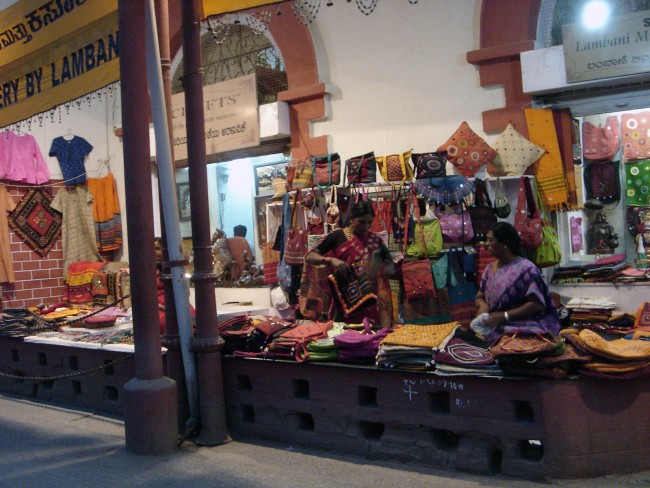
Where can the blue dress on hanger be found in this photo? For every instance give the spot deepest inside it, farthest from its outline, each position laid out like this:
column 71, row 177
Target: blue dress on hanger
column 71, row 155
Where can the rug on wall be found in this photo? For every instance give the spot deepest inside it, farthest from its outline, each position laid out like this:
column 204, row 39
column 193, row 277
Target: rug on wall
column 37, row 224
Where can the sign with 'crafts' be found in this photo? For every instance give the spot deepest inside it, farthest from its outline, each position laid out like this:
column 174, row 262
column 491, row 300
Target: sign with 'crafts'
column 231, row 120
column 621, row 47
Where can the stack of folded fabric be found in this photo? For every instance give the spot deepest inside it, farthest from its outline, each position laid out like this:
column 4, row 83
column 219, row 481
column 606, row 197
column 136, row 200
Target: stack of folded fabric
column 590, row 312
column 465, row 354
column 534, row 355
column 609, row 268
column 411, row 346
column 615, row 359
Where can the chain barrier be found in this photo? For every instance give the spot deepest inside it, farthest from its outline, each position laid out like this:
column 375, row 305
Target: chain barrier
column 68, row 375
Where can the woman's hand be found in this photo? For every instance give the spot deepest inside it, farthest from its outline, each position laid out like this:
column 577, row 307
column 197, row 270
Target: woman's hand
column 340, row 266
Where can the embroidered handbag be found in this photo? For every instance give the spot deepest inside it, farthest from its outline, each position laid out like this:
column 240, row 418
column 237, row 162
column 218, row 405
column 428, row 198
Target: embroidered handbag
column 456, row 227
column 481, row 213
column 395, row 167
column 548, row 253
column 501, row 204
column 417, row 275
column 600, row 143
column 602, row 181
column 429, row 165
column 299, row 175
column 528, row 220
column 333, row 213
column 351, row 291
column 296, row 245
column 270, row 260
column 462, row 296
column 361, row 169
column 326, row 170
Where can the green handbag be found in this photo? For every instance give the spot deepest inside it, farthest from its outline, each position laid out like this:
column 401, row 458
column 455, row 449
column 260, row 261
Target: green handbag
column 432, row 238
column 548, row 253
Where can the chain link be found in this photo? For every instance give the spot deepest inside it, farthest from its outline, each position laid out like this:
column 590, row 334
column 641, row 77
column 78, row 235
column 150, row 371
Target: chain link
column 64, row 376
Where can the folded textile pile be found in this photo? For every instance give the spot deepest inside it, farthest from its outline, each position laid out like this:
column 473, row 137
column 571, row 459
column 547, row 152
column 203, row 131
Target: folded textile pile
column 411, row 346
column 609, row 268
column 535, row 355
column 591, row 313
column 466, row 354
column 614, row 359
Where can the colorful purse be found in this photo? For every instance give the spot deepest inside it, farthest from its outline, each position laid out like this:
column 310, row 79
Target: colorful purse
column 361, row 169
column 351, row 291
column 602, row 181
column 395, row 167
column 299, row 175
column 326, row 170
column 501, row 204
column 548, row 253
column 296, row 245
column 600, row 143
column 481, row 214
column 417, row 275
column 528, row 221
column 456, row 227
column 429, row 165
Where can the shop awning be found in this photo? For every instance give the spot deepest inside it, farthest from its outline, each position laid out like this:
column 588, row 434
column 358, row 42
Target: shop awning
column 55, row 52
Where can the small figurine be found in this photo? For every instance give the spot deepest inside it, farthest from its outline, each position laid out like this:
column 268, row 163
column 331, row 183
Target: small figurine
column 602, row 238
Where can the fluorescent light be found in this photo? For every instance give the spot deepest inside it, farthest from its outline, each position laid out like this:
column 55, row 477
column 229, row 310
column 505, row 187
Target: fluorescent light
column 595, row 14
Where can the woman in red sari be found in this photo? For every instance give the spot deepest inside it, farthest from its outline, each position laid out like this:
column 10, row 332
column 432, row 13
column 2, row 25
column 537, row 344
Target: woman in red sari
column 356, row 248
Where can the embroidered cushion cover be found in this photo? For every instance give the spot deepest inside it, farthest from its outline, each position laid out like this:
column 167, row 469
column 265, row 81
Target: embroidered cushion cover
column 635, row 135
column 515, row 153
column 38, row 224
column 467, row 151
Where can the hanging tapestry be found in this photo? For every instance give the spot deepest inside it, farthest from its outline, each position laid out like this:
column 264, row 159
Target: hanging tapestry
column 36, row 222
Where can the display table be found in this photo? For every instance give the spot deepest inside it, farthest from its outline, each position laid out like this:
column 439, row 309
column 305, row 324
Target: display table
column 526, row 428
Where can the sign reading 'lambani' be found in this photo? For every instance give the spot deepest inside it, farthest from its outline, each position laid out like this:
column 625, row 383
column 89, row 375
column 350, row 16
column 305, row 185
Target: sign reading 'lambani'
column 620, row 48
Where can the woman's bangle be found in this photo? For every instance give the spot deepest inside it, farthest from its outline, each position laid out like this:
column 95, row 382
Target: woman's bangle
column 505, row 314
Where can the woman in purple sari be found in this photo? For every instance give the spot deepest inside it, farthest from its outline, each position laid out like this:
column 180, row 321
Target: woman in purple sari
column 512, row 291
column 356, row 248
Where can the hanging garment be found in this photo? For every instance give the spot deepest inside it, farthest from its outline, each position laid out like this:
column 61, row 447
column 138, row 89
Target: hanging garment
column 21, row 159
column 106, row 212
column 71, row 155
column 6, row 264
column 79, row 241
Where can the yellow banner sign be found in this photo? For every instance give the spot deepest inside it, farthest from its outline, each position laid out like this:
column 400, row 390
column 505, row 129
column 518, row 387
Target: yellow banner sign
column 55, row 51
column 217, row 7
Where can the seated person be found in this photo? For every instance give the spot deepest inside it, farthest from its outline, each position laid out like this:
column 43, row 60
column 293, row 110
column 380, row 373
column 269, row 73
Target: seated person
column 513, row 293
column 240, row 250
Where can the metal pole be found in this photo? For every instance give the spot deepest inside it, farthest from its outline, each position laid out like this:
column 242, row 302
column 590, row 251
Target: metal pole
column 150, row 398
column 170, row 212
column 207, row 343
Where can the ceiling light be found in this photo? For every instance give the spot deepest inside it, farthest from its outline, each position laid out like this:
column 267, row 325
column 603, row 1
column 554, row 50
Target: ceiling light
column 595, row 14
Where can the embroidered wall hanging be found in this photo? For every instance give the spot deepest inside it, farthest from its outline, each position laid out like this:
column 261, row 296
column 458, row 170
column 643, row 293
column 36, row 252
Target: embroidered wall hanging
column 38, row 224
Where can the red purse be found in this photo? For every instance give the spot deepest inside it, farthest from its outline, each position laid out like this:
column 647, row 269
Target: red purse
column 326, row 170
column 417, row 275
column 528, row 221
column 600, row 143
column 296, row 245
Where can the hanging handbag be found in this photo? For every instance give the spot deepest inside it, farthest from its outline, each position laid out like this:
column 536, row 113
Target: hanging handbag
column 296, row 245
column 481, row 213
column 600, row 143
column 548, row 253
column 501, row 204
column 456, row 227
column 333, row 213
column 575, row 226
column 417, row 275
column 603, row 181
column 395, row 168
column 326, row 170
column 462, row 296
column 528, row 221
column 361, row 169
column 299, row 175
column 429, row 165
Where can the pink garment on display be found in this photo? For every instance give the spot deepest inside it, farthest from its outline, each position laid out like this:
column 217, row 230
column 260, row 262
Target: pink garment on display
column 576, row 233
column 21, row 159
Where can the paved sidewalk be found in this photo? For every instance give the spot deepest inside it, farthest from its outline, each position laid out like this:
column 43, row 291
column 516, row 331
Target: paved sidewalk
column 49, row 446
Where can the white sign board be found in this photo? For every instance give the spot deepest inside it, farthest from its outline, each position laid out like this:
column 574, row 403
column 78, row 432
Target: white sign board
column 231, row 120
column 622, row 47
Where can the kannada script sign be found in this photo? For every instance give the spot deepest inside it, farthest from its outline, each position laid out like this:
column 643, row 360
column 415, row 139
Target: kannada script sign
column 231, row 120
column 620, row 48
